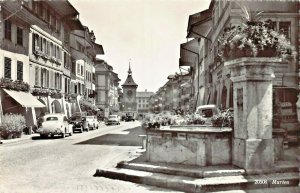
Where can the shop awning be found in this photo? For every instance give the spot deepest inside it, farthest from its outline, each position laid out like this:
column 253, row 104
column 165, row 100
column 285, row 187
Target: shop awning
column 24, row 99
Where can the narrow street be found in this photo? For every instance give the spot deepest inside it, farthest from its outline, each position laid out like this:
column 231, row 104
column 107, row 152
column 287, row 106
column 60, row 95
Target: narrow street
column 67, row 165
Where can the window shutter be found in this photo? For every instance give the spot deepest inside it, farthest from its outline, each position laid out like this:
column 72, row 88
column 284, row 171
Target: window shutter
column 50, row 79
column 42, row 77
column 33, row 41
column 37, row 82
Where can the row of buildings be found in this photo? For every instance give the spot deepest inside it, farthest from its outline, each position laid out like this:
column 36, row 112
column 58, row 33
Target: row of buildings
column 208, row 80
column 49, row 62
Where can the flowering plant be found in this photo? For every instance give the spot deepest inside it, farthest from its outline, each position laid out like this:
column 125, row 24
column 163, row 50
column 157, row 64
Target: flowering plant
column 40, row 92
column 254, row 39
column 161, row 119
column 13, row 125
column 17, row 85
column 224, row 119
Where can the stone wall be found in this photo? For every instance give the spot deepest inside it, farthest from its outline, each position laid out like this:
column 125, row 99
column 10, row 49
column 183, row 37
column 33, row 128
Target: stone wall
column 191, row 147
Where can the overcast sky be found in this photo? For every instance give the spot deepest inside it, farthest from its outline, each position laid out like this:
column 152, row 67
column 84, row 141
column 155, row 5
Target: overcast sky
column 149, row 32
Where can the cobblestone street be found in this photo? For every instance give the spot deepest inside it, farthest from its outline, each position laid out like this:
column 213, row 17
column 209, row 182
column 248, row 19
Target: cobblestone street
column 65, row 165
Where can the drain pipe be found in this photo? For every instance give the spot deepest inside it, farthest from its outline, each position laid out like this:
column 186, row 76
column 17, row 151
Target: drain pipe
column 198, row 72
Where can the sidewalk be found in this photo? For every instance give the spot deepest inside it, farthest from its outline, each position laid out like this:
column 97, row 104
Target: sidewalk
column 22, row 138
column 29, row 137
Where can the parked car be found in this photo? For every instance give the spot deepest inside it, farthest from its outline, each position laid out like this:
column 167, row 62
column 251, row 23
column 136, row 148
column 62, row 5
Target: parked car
column 113, row 119
column 90, row 122
column 77, row 121
column 207, row 111
column 129, row 117
column 55, row 124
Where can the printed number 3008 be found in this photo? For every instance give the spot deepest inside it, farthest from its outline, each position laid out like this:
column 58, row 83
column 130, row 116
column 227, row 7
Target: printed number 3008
column 260, row 182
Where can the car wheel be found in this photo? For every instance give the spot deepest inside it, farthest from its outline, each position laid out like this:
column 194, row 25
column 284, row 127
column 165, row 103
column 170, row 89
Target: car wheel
column 63, row 135
column 43, row 136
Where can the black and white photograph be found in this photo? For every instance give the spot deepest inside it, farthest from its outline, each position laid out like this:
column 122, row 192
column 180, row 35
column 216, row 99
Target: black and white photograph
column 149, row 96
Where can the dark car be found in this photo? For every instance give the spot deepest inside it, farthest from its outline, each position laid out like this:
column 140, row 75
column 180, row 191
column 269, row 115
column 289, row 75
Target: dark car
column 77, row 121
column 129, row 117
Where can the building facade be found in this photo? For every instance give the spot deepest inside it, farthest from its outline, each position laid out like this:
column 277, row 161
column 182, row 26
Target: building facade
column 176, row 94
column 211, row 79
column 143, row 101
column 36, row 53
column 107, row 87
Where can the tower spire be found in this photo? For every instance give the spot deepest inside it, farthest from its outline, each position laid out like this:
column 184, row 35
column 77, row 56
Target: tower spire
column 129, row 70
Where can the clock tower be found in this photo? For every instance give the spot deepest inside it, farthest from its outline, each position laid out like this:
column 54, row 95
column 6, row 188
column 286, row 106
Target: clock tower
column 129, row 93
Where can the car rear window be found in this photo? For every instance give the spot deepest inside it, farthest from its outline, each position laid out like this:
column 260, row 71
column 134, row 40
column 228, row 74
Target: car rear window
column 51, row 119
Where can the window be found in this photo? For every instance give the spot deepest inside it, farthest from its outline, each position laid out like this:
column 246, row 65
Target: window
column 51, row 119
column 44, row 77
column 48, row 48
column 7, row 68
column 7, row 26
column 51, row 49
column 41, row 10
column 37, row 75
column 45, row 45
column 78, row 68
column 41, row 43
column 47, row 78
column 65, row 59
column 19, row 70
column 66, row 85
column 48, row 15
column 285, row 28
column 20, row 36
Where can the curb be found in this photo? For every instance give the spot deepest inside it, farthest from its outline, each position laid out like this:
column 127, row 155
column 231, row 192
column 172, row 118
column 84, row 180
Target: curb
column 188, row 184
column 24, row 138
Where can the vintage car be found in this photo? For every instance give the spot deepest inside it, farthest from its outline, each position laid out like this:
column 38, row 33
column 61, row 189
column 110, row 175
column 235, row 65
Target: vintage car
column 207, row 112
column 129, row 117
column 113, row 119
column 55, row 124
column 90, row 122
column 77, row 121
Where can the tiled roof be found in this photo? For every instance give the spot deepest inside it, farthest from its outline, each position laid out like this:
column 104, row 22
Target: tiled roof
column 129, row 81
column 144, row 94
